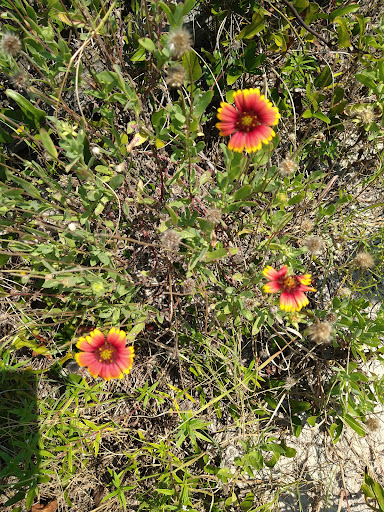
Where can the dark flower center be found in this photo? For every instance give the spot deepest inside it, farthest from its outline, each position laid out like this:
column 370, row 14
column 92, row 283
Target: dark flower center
column 106, row 353
column 246, row 122
column 289, row 283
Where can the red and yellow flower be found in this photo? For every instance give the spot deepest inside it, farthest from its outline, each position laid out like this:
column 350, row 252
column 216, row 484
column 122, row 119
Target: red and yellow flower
column 292, row 288
column 249, row 121
column 106, row 357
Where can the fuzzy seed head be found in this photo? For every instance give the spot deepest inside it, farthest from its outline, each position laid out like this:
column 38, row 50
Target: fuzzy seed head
column 372, row 424
column 171, row 240
column 331, row 318
column 363, row 260
column 320, row 332
column 287, row 168
column 20, row 80
column 72, row 226
column 11, row 45
column 213, row 216
column 307, row 225
column 189, row 286
column 249, row 303
column 95, row 150
column 315, row 244
column 289, row 382
column 366, row 116
column 176, row 77
column 345, row 292
column 179, row 42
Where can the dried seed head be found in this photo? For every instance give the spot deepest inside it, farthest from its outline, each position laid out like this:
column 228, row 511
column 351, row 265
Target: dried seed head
column 331, row 318
column 171, row 240
column 176, row 77
column 213, row 216
column 363, row 260
column 189, row 285
column 366, row 116
column 249, row 303
column 20, row 80
column 315, row 244
column 372, row 424
column 11, row 45
column 95, row 150
column 307, row 225
column 289, row 382
column 72, row 226
column 345, row 292
column 179, row 42
column 287, row 167
column 320, row 332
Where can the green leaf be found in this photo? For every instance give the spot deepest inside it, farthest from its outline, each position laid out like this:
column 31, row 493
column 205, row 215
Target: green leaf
column 247, row 503
column 342, row 31
column 355, row 425
column 5, row 137
column 231, row 78
column 301, row 4
column 299, row 406
column 173, row 215
column 366, row 80
column 168, row 12
column 322, row 117
column 341, row 11
column 202, row 103
column 191, row 61
column 325, row 77
column 242, row 193
column 296, row 199
column 31, row 495
column 312, row 420
column 28, row 187
column 47, row 142
column 148, row 44
column 34, row 114
column 257, row 25
column 376, row 489
column 167, row 492
column 220, row 253
column 335, row 430
column 116, row 181
column 139, row 55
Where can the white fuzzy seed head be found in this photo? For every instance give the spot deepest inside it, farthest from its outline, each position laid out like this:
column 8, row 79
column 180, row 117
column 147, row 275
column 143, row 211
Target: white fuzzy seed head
column 363, row 260
column 20, row 80
column 249, row 303
column 95, row 150
column 315, row 244
column 320, row 332
column 344, row 292
column 366, row 116
column 176, row 77
column 11, row 45
column 287, row 168
column 189, row 285
column 72, row 226
column 213, row 216
column 307, row 225
column 171, row 240
column 179, row 42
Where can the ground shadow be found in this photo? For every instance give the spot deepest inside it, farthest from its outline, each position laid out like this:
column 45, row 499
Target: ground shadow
column 19, row 436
